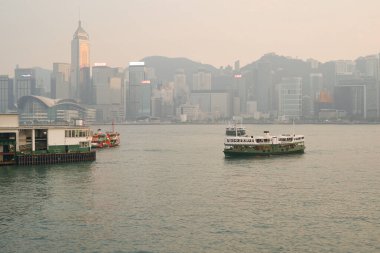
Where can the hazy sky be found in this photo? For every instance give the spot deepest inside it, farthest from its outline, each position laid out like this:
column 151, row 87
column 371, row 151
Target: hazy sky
column 218, row 32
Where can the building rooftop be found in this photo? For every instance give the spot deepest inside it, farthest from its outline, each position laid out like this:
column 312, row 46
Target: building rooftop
column 80, row 33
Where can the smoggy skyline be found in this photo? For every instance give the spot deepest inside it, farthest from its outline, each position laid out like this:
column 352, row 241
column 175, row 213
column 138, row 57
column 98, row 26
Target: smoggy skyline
column 38, row 32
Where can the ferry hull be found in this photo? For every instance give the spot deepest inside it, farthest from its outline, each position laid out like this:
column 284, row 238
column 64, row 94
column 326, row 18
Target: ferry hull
column 263, row 150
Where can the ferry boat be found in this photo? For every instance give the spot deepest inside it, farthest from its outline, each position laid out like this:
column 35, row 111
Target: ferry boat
column 100, row 140
column 235, row 130
column 114, row 138
column 238, row 143
column 105, row 140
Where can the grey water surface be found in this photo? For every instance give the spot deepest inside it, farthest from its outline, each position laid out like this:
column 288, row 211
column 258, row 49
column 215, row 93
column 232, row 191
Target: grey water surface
column 168, row 188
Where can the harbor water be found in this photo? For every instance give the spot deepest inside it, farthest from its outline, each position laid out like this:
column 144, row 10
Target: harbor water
column 168, row 188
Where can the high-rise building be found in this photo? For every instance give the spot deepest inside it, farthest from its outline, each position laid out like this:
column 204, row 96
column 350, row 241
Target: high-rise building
column 163, row 101
column 101, row 76
column 80, row 66
column 212, row 104
column 290, row 98
column 263, row 87
column 181, row 90
column 139, row 92
column 6, row 94
column 369, row 69
column 202, row 80
column 108, row 86
column 31, row 81
column 350, row 96
column 43, row 81
column 25, row 83
column 60, row 83
column 239, row 91
column 344, row 67
column 310, row 94
column 372, row 66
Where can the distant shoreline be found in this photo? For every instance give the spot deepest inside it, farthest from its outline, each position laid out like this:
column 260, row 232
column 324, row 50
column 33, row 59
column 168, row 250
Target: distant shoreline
column 245, row 123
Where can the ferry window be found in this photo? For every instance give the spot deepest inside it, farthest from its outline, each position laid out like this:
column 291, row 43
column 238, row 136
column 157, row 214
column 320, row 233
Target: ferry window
column 66, row 133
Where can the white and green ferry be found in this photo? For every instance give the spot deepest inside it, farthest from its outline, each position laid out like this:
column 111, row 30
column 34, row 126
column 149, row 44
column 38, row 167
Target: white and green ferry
column 238, row 143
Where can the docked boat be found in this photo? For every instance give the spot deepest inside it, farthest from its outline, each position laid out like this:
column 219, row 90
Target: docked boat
column 114, row 138
column 238, row 144
column 105, row 140
column 100, row 140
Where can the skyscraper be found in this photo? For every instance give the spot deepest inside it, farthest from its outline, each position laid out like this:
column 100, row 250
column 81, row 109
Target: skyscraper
column 60, row 85
column 139, row 92
column 80, row 87
column 6, row 94
column 290, row 98
column 202, row 80
column 25, row 83
column 108, row 87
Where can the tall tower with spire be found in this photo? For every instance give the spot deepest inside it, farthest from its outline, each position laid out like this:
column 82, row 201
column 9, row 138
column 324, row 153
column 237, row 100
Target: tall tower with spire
column 80, row 87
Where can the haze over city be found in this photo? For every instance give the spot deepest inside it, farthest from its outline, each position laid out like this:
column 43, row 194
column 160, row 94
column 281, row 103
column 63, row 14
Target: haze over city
column 38, row 32
column 150, row 126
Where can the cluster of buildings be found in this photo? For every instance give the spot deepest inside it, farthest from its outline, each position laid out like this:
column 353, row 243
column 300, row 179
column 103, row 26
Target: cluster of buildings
column 273, row 88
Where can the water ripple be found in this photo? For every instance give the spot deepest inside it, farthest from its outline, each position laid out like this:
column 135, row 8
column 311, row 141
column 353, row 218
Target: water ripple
column 170, row 189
